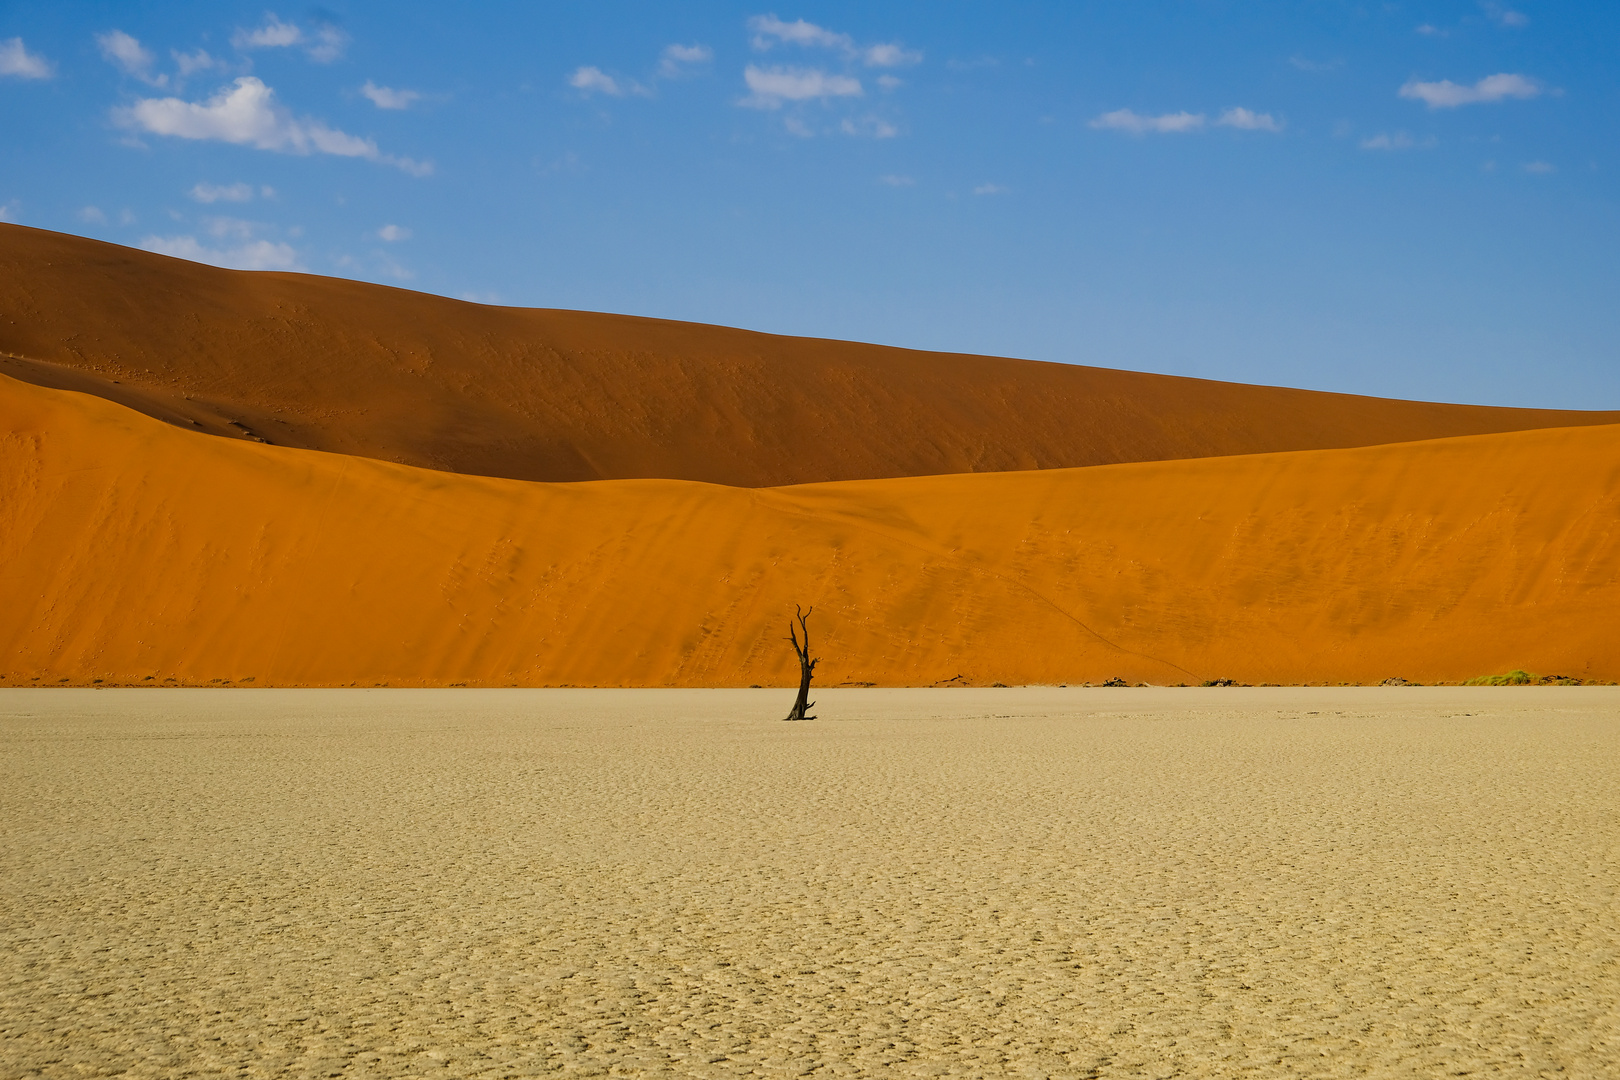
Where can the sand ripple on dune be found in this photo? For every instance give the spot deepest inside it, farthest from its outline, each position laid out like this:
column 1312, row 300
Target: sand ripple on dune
column 1032, row 883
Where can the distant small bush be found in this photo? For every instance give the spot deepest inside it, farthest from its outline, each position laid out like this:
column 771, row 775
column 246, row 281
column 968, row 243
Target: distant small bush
column 1512, row 678
column 1524, row 678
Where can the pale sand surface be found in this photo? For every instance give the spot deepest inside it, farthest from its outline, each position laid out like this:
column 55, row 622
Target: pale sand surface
column 669, row 883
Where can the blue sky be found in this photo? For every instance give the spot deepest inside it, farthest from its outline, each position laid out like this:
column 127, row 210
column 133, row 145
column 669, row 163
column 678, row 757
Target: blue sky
column 1407, row 199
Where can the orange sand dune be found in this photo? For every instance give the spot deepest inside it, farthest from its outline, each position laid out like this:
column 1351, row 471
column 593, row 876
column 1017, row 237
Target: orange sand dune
column 558, row 395
column 131, row 550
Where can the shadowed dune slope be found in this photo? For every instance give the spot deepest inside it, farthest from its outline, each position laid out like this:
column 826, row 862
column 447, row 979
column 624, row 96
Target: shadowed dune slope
column 353, row 368
column 129, row 548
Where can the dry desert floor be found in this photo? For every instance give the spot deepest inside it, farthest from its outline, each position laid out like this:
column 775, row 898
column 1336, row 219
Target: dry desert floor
column 1025, row 882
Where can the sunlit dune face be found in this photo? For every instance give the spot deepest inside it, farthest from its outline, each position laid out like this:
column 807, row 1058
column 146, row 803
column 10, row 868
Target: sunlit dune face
column 139, row 550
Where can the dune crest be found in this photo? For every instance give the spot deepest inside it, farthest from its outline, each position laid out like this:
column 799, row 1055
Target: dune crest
column 132, row 551
column 354, row 368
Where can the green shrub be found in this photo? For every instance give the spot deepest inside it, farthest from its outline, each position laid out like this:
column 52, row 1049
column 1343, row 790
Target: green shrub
column 1512, row 678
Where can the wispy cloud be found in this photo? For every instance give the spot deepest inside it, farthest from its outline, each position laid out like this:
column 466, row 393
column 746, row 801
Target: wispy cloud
column 393, row 234
column 1539, row 168
column 129, row 56
column 890, row 55
column 18, row 63
column 675, row 59
column 770, row 87
column 1400, row 140
column 385, row 97
column 1502, row 15
column 188, row 63
column 990, row 189
column 1493, row 88
column 8, row 211
column 251, row 255
column 1137, row 124
column 391, row 267
column 871, row 127
column 1431, row 30
column 323, row 44
column 274, row 34
column 593, row 80
column 246, row 113
column 328, row 44
column 1244, row 120
column 213, row 193
column 92, row 215
column 1314, row 66
column 896, row 180
column 769, row 30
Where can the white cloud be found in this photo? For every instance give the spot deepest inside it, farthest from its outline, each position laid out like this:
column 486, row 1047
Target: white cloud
column 129, row 56
column 769, row 27
column 1431, row 30
column 588, row 79
column 669, row 64
column 17, row 62
column 8, row 212
column 1539, row 168
column 187, row 63
column 274, row 34
column 772, row 86
column 393, row 233
column 93, row 215
column 385, row 97
column 1244, row 120
column 990, row 189
column 798, row 127
column 889, row 82
column 893, row 180
column 254, row 255
column 212, row 193
column 324, row 45
column 890, row 55
column 1493, row 88
column 247, row 114
column 1136, row 124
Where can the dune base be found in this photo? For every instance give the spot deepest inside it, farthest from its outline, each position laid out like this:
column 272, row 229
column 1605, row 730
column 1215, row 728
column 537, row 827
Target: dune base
column 1384, row 882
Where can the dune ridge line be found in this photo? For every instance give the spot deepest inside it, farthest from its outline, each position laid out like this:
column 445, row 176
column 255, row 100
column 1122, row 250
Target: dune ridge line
column 538, row 394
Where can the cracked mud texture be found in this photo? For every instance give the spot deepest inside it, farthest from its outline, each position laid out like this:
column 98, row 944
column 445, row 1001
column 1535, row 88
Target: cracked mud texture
column 1030, row 882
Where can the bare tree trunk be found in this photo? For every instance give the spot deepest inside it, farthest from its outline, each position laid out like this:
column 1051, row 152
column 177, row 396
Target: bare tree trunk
column 802, row 705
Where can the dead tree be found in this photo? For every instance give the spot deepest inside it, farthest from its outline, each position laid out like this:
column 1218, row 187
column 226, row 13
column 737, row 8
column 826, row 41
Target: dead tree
column 803, row 705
